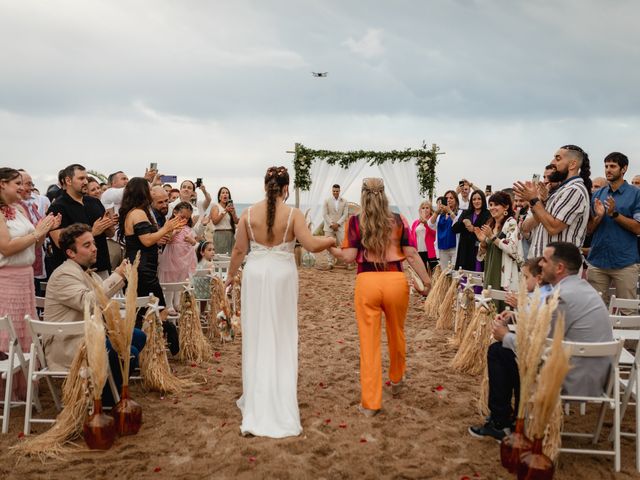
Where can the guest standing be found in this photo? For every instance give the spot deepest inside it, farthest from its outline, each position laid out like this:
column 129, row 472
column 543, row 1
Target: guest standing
column 442, row 220
column 475, row 216
column 224, row 219
column 425, row 236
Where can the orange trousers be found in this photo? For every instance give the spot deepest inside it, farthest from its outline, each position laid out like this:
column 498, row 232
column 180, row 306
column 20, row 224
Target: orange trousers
column 375, row 293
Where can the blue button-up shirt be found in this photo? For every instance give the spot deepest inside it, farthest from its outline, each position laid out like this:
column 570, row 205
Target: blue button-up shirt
column 613, row 246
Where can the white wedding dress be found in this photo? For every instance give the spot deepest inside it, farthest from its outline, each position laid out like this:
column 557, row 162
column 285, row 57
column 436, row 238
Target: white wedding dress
column 269, row 401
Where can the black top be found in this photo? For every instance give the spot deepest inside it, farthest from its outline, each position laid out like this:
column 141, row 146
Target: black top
column 148, row 269
column 468, row 242
column 90, row 210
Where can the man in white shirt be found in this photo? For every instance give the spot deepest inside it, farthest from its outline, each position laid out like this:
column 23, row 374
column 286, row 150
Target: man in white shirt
column 335, row 212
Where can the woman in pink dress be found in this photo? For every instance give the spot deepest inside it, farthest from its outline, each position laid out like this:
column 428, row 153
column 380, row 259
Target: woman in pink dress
column 178, row 259
column 18, row 238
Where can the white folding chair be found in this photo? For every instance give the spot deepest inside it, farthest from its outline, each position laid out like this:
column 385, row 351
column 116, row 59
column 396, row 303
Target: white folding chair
column 169, row 289
column 610, row 397
column 141, row 302
column 38, row 329
column 14, row 363
column 220, row 268
column 630, row 305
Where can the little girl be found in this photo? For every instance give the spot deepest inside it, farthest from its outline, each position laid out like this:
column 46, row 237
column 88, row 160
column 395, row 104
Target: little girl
column 178, row 259
column 202, row 285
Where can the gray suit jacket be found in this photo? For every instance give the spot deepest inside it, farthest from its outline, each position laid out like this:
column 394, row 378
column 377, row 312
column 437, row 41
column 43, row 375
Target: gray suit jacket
column 586, row 319
column 64, row 302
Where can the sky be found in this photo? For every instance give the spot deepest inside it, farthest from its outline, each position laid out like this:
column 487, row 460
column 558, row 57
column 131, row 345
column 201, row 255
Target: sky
column 223, row 89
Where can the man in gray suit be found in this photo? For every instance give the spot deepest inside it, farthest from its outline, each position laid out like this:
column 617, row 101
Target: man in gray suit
column 586, row 320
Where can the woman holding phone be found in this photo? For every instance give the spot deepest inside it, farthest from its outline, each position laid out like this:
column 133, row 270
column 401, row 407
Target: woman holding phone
column 442, row 221
column 224, row 219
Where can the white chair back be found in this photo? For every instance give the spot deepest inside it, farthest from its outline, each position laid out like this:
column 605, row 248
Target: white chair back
column 494, row 294
column 616, row 304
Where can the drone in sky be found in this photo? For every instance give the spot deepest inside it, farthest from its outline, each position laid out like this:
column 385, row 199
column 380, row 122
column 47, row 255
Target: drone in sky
column 319, row 74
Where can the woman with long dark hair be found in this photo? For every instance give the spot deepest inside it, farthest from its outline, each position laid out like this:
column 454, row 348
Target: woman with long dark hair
column 139, row 230
column 442, row 220
column 476, row 215
column 379, row 241
column 500, row 245
column 224, row 219
column 269, row 402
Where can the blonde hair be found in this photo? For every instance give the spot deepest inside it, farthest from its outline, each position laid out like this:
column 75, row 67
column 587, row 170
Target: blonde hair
column 376, row 219
column 425, row 203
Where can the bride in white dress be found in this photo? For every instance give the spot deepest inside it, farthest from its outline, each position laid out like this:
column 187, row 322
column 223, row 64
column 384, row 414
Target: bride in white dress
column 269, row 401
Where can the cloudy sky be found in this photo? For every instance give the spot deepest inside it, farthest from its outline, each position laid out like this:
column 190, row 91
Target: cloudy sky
column 222, row 89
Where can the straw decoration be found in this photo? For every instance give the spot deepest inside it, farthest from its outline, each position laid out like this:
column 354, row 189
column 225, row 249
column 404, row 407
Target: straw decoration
column 220, row 313
column 194, row 346
column 55, row 442
column 533, row 325
column 471, row 357
column 96, row 343
column 464, row 315
column 236, row 305
column 447, row 306
column 550, row 380
column 154, row 364
column 436, row 295
column 553, row 434
column 483, row 399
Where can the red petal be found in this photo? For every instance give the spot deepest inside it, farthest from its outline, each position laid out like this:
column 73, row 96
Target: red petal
column 476, row 474
column 439, row 388
column 217, row 354
column 175, row 401
column 343, row 425
column 327, row 421
column 21, row 434
column 157, row 469
column 223, row 424
column 340, row 341
column 193, row 365
column 387, row 383
column 464, row 478
column 252, row 459
column 321, row 385
column 363, row 440
column 219, row 370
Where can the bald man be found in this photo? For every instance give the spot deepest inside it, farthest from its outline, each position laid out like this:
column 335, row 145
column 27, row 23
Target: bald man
column 597, row 183
column 159, row 204
column 636, row 181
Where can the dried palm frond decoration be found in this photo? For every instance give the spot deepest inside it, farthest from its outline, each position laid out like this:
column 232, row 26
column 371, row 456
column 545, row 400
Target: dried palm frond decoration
column 95, row 341
column 194, row 346
column 547, row 395
column 472, row 355
column 120, row 330
column 447, row 306
column 552, row 441
column 464, row 315
column 220, row 313
column 236, row 306
column 56, row 442
column 154, row 364
column 436, row 295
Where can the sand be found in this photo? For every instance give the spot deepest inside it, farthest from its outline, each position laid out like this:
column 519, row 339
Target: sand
column 422, row 433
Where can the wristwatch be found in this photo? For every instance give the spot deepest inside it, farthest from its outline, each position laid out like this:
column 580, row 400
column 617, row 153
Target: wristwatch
column 615, row 214
column 533, row 201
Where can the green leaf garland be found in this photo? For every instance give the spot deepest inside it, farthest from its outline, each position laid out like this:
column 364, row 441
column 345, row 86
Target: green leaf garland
column 426, row 161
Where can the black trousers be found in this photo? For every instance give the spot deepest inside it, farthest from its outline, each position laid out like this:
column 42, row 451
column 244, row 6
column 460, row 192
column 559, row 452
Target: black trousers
column 504, row 383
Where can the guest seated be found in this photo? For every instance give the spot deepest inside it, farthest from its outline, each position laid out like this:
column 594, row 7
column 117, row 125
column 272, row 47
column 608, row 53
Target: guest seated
column 67, row 290
column 586, row 320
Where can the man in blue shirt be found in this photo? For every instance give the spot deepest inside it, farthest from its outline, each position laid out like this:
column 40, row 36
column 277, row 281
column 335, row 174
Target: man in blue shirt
column 615, row 225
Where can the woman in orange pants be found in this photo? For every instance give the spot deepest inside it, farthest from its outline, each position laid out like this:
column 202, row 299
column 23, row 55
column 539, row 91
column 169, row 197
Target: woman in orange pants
column 379, row 241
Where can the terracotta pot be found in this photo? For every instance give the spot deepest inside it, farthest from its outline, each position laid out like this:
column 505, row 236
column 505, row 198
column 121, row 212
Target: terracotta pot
column 127, row 414
column 99, row 429
column 514, row 445
column 535, row 465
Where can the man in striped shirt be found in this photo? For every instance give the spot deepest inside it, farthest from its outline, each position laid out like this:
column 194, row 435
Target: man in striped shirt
column 564, row 216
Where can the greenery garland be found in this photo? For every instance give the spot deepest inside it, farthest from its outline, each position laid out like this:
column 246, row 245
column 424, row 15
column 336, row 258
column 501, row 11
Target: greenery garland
column 426, row 160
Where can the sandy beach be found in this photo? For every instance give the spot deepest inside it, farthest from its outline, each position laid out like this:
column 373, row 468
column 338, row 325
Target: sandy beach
column 422, row 433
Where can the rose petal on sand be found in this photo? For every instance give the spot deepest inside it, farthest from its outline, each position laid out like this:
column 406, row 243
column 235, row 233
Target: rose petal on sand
column 194, row 365
column 388, row 383
column 157, row 469
column 439, row 388
column 327, row 421
column 219, row 370
column 343, row 425
column 21, row 434
column 252, row 459
column 217, row 355
column 363, row 440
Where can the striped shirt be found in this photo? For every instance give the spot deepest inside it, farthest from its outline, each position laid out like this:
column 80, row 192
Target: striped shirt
column 569, row 204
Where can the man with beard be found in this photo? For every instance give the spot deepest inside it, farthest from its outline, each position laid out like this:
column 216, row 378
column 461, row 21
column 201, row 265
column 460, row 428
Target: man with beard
column 77, row 207
column 565, row 215
column 615, row 226
column 159, row 204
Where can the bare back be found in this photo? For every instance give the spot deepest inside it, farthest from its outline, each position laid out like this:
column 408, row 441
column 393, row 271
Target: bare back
column 258, row 224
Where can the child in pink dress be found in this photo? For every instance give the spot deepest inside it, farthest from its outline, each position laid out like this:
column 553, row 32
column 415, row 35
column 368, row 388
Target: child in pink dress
column 178, row 259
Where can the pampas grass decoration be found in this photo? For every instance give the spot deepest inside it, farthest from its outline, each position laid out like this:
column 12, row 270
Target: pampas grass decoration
column 472, row 355
column 236, row 306
column 154, row 364
column 220, row 313
column 553, row 434
column 446, row 308
column 533, row 324
column 194, row 346
column 120, row 330
column 96, row 344
column 552, row 374
column 55, row 442
column 436, row 295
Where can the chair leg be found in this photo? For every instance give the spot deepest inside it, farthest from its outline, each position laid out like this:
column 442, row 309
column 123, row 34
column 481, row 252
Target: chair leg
column 31, row 381
column 596, row 434
column 616, row 421
column 7, row 398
